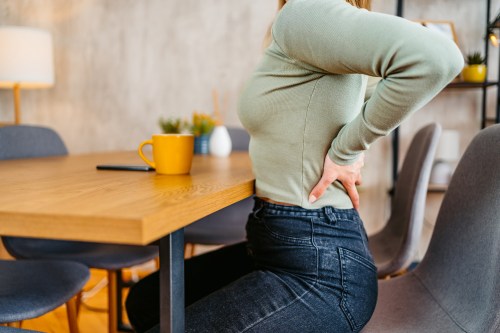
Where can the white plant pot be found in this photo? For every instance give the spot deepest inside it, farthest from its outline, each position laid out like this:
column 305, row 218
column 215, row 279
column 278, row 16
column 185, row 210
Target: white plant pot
column 220, row 142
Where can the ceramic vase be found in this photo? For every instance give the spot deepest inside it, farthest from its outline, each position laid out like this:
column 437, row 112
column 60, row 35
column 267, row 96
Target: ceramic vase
column 220, row 142
column 201, row 144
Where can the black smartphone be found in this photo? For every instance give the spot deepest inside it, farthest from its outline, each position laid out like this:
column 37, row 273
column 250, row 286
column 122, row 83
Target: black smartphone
column 124, row 167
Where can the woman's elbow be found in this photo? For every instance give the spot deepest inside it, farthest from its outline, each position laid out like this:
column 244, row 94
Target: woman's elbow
column 455, row 62
column 447, row 61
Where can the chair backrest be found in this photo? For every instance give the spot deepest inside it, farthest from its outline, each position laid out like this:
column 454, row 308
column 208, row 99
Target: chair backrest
column 461, row 268
column 22, row 141
column 240, row 139
column 407, row 214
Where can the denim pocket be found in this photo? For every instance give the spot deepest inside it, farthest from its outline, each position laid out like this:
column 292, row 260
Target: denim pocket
column 296, row 230
column 283, row 245
column 359, row 288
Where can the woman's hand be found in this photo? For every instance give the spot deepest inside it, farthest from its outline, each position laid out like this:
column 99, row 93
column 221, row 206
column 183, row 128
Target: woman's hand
column 348, row 175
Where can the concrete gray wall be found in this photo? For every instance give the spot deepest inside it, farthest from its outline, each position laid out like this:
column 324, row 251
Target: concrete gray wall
column 121, row 65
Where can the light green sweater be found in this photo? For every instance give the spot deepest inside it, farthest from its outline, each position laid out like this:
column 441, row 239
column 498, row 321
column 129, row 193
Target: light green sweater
column 306, row 97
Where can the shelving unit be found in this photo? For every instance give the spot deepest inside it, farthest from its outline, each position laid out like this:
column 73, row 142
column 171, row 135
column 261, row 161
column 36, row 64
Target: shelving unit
column 460, row 85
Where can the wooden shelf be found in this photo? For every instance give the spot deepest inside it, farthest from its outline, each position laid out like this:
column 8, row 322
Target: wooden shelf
column 471, row 85
column 490, row 121
column 459, row 84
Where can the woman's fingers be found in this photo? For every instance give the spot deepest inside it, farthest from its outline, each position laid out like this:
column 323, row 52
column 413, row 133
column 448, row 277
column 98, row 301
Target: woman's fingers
column 348, row 175
column 353, row 194
column 359, row 180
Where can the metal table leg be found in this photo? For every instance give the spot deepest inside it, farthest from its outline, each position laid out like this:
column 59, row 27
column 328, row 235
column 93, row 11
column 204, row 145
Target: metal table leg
column 172, row 283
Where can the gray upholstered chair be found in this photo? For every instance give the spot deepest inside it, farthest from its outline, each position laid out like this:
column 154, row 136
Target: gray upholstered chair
column 395, row 246
column 16, row 330
column 456, row 287
column 29, row 289
column 33, row 141
column 226, row 226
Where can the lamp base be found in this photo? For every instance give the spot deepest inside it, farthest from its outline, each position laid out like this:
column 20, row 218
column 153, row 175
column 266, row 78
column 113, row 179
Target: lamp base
column 17, row 104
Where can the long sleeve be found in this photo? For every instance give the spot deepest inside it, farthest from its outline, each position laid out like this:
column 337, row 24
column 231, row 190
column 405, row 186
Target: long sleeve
column 414, row 64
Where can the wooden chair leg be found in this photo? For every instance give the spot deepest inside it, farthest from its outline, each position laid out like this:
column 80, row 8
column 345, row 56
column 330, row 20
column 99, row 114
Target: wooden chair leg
column 78, row 302
column 120, row 285
column 112, row 309
column 72, row 310
column 189, row 250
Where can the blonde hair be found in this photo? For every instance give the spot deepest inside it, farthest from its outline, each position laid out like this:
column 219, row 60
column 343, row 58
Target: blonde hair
column 366, row 4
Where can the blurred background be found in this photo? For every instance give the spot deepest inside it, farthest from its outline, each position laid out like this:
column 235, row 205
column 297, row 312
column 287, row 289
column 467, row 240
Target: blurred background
column 121, row 65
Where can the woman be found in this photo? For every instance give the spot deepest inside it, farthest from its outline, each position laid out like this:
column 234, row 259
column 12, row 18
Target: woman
column 307, row 267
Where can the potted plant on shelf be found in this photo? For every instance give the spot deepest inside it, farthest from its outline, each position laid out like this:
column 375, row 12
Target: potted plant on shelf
column 202, row 127
column 475, row 70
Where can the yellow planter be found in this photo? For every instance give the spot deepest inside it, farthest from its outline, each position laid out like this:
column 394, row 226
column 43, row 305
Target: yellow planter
column 474, row 73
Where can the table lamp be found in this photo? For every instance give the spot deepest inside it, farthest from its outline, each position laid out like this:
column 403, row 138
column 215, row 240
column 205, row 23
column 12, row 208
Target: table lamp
column 447, row 153
column 26, row 61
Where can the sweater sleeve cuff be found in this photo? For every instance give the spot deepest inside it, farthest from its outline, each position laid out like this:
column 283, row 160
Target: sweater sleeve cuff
column 342, row 159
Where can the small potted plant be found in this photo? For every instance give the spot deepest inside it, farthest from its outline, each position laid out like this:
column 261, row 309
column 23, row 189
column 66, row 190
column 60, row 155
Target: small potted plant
column 475, row 70
column 202, row 127
column 173, row 125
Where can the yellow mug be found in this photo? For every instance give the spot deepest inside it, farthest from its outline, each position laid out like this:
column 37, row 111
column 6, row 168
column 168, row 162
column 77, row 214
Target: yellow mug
column 172, row 153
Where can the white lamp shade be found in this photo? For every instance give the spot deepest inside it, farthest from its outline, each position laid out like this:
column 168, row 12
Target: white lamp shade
column 26, row 58
column 449, row 146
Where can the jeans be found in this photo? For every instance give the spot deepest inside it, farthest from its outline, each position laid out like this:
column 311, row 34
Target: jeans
column 302, row 271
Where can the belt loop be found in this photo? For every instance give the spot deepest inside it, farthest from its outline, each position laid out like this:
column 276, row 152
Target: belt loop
column 330, row 214
column 258, row 205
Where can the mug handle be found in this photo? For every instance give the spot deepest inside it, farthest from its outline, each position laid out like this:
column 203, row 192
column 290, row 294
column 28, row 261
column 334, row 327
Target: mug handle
column 141, row 154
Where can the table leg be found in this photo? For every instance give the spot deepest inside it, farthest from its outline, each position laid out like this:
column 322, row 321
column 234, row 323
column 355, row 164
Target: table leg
column 172, row 283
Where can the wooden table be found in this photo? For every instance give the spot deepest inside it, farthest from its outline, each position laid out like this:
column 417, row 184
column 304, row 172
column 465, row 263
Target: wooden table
column 67, row 198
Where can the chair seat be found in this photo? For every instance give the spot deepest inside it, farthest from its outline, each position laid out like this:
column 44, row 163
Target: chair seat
column 94, row 255
column 16, row 330
column 405, row 305
column 29, row 289
column 226, row 226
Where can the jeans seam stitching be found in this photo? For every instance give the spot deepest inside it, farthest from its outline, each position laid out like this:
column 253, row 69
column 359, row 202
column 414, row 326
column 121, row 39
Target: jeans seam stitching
column 282, row 308
column 298, row 297
column 343, row 302
column 345, row 253
column 362, row 234
column 358, row 258
column 295, row 240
